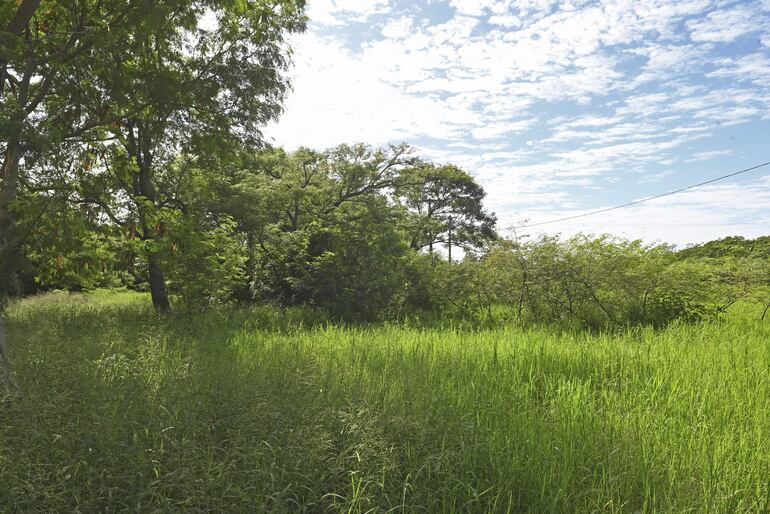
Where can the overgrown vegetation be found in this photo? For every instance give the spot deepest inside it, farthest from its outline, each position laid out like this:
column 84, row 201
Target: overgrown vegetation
column 605, row 282
column 265, row 410
column 328, row 330
column 357, row 265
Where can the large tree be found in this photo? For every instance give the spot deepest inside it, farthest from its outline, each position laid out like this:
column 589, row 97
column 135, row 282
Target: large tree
column 445, row 206
column 41, row 43
column 147, row 76
column 207, row 74
column 294, row 210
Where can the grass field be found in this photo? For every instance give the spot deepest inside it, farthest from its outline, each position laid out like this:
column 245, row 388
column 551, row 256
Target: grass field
column 249, row 411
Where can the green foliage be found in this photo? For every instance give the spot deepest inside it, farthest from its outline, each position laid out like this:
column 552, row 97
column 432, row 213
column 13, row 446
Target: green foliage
column 445, row 207
column 357, row 271
column 64, row 247
column 319, row 227
column 353, row 269
column 597, row 282
column 734, row 246
column 102, row 97
column 205, row 264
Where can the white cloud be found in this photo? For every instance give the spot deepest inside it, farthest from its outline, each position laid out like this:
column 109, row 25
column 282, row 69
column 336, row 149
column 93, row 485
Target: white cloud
column 535, row 97
column 507, row 21
column 668, row 60
column 337, row 12
column 693, row 217
column 726, row 25
column 707, row 156
column 398, row 28
column 645, row 104
column 474, row 7
column 339, row 97
column 752, row 67
column 499, row 129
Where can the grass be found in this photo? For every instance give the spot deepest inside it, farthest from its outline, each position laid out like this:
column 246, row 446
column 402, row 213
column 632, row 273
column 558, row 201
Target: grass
column 248, row 411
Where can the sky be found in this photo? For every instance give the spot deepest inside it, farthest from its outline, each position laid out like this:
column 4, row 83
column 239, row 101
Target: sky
column 556, row 108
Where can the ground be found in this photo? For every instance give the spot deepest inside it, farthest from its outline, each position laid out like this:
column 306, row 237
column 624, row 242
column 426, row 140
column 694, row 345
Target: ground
column 253, row 410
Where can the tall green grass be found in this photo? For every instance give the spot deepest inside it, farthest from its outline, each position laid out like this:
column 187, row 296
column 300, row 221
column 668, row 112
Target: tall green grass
column 255, row 411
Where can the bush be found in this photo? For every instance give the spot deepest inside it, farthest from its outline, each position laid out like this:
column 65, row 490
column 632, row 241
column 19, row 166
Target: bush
column 594, row 282
column 205, row 265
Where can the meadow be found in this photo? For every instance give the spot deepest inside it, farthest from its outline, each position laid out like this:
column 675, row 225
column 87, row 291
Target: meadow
column 119, row 409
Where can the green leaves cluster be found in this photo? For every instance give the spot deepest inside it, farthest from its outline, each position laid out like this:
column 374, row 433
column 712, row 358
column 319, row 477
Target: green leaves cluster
column 205, row 263
column 64, row 247
column 447, row 208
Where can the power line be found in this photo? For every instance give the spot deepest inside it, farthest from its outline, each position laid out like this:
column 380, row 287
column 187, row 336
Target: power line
column 635, row 202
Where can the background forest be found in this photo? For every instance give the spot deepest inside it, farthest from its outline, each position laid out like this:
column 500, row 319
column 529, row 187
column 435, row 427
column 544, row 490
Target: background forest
column 361, row 234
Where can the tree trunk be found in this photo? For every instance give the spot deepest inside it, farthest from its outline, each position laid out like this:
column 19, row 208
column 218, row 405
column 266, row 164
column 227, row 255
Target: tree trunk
column 8, row 189
column 9, row 179
column 152, row 230
column 158, row 285
column 22, row 16
column 8, row 237
column 8, row 250
column 16, row 25
column 156, row 276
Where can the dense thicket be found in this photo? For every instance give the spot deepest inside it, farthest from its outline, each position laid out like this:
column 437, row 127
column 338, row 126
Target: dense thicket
column 350, row 230
column 606, row 281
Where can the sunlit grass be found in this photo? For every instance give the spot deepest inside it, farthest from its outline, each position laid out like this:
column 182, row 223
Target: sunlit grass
column 257, row 410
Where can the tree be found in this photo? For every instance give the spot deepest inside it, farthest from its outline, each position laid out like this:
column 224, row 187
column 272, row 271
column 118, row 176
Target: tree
column 282, row 202
column 201, row 89
column 357, row 266
column 41, row 43
column 141, row 75
column 445, row 205
column 735, row 246
column 64, row 245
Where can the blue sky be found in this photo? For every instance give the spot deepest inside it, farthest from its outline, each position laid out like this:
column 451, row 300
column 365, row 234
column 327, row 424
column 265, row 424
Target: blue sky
column 557, row 108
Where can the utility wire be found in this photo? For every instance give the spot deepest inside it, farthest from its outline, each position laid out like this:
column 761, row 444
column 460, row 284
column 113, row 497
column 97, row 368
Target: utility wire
column 723, row 177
